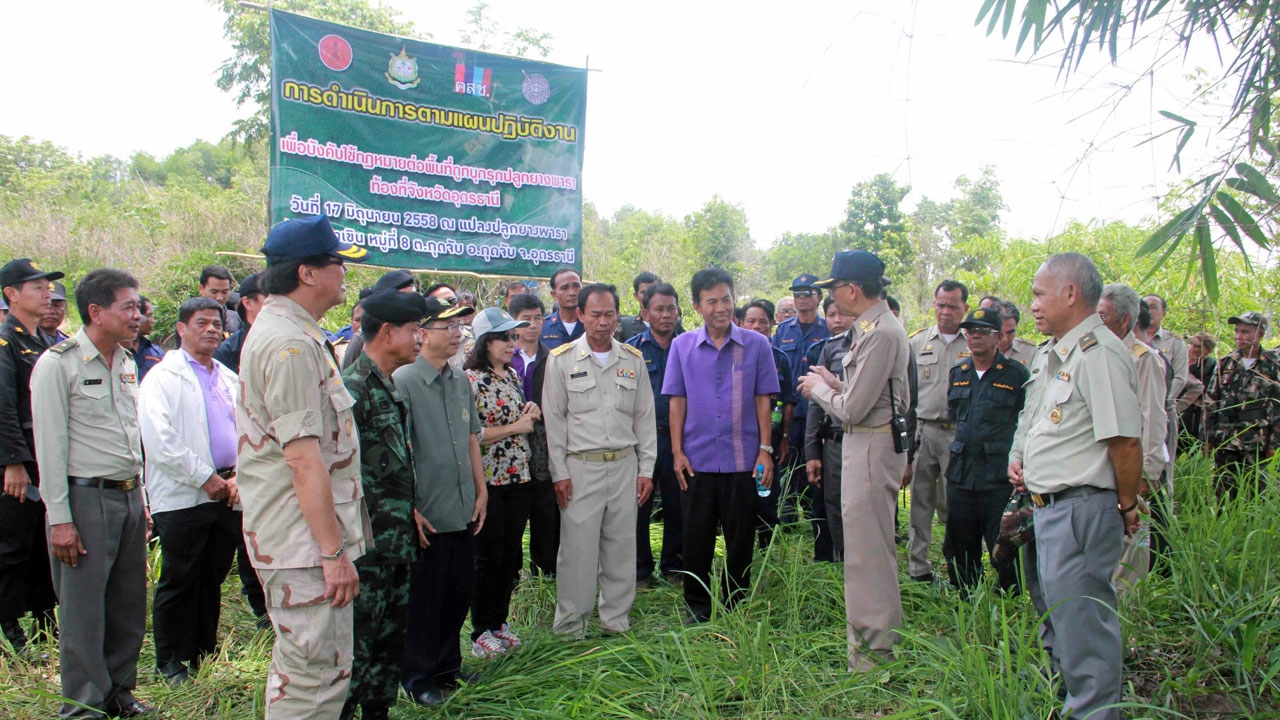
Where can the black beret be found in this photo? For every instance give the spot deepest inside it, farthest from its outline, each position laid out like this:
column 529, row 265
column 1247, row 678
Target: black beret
column 395, row 307
column 394, row 280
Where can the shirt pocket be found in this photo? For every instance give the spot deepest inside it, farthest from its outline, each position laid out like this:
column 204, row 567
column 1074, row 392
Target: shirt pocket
column 94, row 401
column 626, row 393
column 582, row 395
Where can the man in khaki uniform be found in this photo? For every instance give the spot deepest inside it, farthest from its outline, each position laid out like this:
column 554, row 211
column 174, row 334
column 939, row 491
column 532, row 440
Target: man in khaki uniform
column 1119, row 309
column 84, row 393
column 1174, row 349
column 936, row 350
column 602, row 444
column 1077, row 450
column 1014, row 347
column 299, row 471
column 875, row 389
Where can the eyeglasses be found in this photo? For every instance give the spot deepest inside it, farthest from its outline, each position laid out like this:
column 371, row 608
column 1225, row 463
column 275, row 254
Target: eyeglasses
column 805, row 293
column 451, row 327
column 982, row 332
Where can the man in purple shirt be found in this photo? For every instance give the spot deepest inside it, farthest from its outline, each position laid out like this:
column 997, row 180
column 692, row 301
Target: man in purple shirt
column 186, row 411
column 720, row 379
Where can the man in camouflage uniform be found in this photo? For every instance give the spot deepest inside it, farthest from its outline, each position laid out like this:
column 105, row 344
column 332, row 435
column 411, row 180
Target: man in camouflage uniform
column 1242, row 405
column 390, row 331
column 298, row 470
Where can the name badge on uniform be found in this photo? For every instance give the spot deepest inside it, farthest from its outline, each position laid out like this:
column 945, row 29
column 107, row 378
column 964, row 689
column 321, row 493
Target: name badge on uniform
column 575, row 376
column 625, row 373
column 95, row 381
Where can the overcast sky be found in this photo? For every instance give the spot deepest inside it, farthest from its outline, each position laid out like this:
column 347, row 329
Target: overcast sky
column 780, row 108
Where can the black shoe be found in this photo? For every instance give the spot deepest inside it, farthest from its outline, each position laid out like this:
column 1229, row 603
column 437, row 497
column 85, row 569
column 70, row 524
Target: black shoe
column 463, row 678
column 433, row 697
column 675, row 579
column 17, row 638
column 643, row 583
column 925, row 578
column 263, row 622
column 131, row 708
column 374, row 712
column 175, row 674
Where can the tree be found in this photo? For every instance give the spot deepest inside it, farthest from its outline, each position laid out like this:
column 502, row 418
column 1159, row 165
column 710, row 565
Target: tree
column 718, row 235
column 874, row 221
column 1236, row 197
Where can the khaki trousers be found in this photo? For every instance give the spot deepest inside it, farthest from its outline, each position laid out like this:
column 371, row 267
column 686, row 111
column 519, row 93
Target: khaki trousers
column 311, row 661
column 928, row 493
column 872, row 474
column 597, row 543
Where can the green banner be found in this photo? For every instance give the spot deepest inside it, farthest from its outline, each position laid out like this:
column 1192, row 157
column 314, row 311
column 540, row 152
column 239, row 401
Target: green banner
column 431, row 157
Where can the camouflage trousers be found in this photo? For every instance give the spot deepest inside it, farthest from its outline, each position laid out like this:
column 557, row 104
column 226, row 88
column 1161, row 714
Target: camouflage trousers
column 311, row 659
column 381, row 616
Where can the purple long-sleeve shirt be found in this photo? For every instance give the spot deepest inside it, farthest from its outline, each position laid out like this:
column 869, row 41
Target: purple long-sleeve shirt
column 721, row 432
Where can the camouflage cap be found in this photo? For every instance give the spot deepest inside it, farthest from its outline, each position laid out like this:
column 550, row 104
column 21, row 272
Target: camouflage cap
column 1253, row 317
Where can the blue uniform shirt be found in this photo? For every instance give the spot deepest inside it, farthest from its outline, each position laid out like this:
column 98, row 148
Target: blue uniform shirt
column 655, row 360
column 795, row 342
column 555, row 334
column 788, row 394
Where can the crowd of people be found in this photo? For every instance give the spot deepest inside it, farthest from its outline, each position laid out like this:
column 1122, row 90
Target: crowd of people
column 377, row 495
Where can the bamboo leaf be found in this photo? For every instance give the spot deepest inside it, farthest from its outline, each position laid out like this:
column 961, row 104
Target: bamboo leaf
column 1178, row 118
column 1008, row 16
column 1257, row 184
column 1164, row 257
column 1208, row 261
column 1176, row 226
column 1228, row 226
column 982, row 12
column 995, row 16
column 1243, row 219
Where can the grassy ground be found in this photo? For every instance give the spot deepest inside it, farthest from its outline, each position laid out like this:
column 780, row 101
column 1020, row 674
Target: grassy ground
column 1204, row 642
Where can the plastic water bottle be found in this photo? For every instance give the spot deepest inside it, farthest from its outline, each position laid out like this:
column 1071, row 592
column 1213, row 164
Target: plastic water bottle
column 761, row 490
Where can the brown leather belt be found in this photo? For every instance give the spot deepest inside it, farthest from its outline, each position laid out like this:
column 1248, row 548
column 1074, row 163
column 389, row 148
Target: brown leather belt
column 103, row 483
column 864, row 429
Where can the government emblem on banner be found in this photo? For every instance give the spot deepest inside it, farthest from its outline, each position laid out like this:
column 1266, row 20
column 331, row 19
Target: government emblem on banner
column 473, row 80
column 402, row 71
column 536, row 89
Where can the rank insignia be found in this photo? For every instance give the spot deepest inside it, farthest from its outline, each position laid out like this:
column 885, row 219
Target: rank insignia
column 928, row 347
column 1055, row 415
column 128, row 378
column 625, row 373
column 1063, row 376
column 926, row 373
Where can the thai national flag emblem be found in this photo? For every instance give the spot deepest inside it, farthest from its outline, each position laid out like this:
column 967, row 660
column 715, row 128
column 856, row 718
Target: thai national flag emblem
column 473, row 80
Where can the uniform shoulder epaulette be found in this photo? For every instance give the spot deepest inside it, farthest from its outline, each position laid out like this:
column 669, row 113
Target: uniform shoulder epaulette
column 631, row 349
column 1088, row 342
column 562, row 349
column 64, row 346
column 917, row 332
column 3, row 342
column 1139, row 350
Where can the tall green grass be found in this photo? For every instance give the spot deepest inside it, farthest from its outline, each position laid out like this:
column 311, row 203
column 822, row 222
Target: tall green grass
column 1203, row 642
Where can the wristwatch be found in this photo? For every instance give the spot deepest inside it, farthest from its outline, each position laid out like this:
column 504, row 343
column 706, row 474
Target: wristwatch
column 341, row 549
column 767, row 448
column 1126, row 510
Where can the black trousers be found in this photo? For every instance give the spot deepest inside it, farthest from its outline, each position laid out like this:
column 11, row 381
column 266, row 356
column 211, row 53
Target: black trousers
column 973, row 517
column 197, row 545
column 26, row 584
column 728, row 500
column 440, row 586
column 664, row 482
column 250, row 584
column 499, row 555
column 544, row 529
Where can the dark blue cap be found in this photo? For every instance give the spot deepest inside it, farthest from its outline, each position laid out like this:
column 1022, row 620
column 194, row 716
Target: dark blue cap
column 306, row 236
column 804, row 281
column 853, row 265
column 983, row 318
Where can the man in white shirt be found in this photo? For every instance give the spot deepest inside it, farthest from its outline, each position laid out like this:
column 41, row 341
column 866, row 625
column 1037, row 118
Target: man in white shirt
column 186, row 412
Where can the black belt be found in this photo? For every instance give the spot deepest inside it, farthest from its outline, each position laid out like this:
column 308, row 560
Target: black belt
column 664, row 428
column 944, row 424
column 225, row 473
column 1046, row 499
column 103, row 483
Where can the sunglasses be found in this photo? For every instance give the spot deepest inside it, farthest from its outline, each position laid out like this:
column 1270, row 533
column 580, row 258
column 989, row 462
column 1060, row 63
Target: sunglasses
column 805, row 293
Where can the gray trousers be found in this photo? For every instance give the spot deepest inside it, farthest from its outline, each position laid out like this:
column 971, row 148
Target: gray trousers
column 831, row 464
column 928, row 493
column 104, row 600
column 597, row 547
column 872, row 474
column 1077, row 547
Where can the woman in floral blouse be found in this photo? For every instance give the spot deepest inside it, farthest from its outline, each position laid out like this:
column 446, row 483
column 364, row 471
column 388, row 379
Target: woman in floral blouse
column 504, row 448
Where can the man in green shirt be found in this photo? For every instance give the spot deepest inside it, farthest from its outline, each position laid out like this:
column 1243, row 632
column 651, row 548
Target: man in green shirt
column 449, row 504
column 391, row 341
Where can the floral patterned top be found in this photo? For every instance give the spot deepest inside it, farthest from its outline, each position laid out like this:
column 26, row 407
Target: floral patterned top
column 499, row 400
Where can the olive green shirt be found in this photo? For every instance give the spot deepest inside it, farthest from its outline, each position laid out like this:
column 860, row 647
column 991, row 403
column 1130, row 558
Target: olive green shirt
column 85, row 416
column 1083, row 391
column 443, row 417
column 291, row 389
